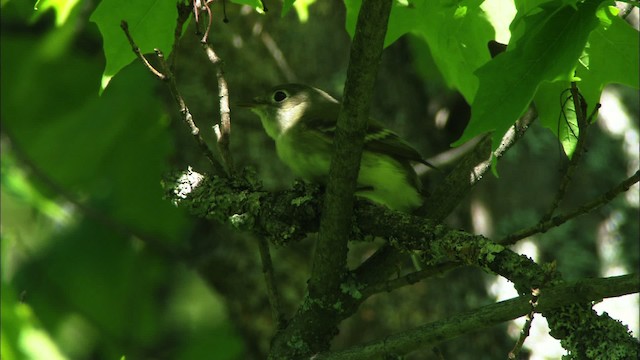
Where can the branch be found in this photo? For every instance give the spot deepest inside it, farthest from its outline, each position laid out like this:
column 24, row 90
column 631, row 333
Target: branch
column 330, row 256
column 524, row 333
column 315, row 323
column 223, row 130
column 580, row 108
column 409, row 279
column 551, row 298
column 471, row 169
column 288, row 216
column 167, row 76
column 561, row 219
column 184, row 11
column 272, row 289
column 458, row 183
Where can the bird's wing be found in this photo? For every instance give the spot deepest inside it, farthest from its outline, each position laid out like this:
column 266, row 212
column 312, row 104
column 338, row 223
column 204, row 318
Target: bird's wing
column 378, row 138
column 382, row 140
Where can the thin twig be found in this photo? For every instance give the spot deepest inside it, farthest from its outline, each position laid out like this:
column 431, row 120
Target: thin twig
column 580, row 108
column 187, row 117
column 222, row 130
column 167, row 76
column 223, row 134
column 561, row 219
column 409, row 279
column 278, row 56
column 184, row 11
column 136, row 50
column 272, row 289
column 471, row 169
column 209, row 21
column 524, row 334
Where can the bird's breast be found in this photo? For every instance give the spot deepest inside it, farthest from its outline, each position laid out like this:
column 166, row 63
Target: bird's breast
column 307, row 154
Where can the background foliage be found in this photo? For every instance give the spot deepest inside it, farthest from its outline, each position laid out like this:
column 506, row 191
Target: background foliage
column 95, row 264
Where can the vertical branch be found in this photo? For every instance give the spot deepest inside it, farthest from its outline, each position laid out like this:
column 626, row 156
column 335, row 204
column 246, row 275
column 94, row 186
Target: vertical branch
column 272, row 289
column 315, row 322
column 580, row 108
column 330, row 257
column 222, row 130
column 184, row 11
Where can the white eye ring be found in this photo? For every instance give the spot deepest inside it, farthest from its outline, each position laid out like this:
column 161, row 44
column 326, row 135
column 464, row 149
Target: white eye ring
column 279, row 96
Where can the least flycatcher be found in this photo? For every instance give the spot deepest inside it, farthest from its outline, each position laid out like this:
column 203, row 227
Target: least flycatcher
column 302, row 120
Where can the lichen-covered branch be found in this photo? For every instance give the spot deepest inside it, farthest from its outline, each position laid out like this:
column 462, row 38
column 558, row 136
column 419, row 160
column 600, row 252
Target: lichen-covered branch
column 549, row 301
column 287, row 216
column 330, row 257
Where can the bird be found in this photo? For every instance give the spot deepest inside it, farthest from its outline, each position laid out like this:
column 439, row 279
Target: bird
column 302, row 120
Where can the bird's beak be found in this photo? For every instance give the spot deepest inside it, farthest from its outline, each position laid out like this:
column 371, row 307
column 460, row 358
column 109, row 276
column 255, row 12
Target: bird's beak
column 253, row 103
column 246, row 104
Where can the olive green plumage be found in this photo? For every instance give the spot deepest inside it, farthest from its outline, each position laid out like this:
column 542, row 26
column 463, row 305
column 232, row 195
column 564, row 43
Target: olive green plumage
column 302, row 119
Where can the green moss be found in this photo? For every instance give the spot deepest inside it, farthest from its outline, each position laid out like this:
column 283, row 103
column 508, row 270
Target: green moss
column 489, row 251
column 338, row 306
column 352, row 288
column 241, row 221
column 301, row 200
column 299, row 345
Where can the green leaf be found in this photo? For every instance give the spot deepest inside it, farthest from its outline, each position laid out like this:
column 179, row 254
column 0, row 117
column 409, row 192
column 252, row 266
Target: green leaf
column 547, row 50
column 456, row 32
column 113, row 147
column 23, row 337
column 286, row 6
column 550, row 99
column 151, row 24
column 301, row 6
column 611, row 57
column 63, row 9
column 16, row 185
column 404, row 18
column 500, row 14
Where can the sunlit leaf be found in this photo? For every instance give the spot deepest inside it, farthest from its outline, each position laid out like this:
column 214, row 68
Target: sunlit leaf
column 547, row 51
column 456, row 32
column 63, row 8
column 612, row 57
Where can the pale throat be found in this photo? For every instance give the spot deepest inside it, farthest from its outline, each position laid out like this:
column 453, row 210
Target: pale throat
column 288, row 116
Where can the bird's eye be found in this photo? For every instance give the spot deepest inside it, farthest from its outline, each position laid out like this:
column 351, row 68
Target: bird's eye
column 279, row 96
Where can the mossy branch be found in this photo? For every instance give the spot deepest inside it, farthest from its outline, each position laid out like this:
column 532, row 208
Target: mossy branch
column 288, row 216
column 550, row 300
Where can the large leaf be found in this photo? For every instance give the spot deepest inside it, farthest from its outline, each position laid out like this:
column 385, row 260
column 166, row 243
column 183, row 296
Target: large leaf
column 63, row 8
column 610, row 57
column 613, row 56
column 112, row 147
column 151, row 23
column 456, row 32
column 546, row 50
